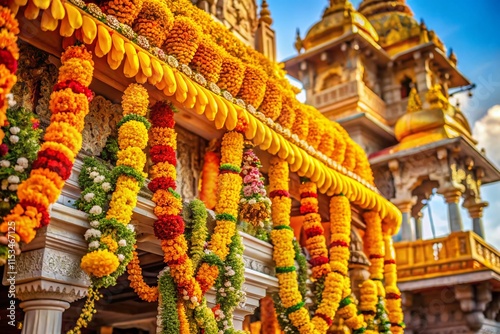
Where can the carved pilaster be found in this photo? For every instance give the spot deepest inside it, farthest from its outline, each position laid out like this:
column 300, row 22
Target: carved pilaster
column 473, row 301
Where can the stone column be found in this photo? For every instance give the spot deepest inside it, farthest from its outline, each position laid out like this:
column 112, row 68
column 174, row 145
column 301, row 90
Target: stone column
column 418, row 226
column 452, row 197
column 407, row 232
column 476, row 213
column 43, row 316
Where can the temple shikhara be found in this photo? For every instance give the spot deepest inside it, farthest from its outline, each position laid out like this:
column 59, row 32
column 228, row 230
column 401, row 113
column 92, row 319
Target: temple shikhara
column 159, row 175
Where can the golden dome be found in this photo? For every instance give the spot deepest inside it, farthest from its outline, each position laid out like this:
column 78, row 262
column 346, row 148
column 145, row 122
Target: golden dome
column 338, row 19
column 392, row 19
column 423, row 126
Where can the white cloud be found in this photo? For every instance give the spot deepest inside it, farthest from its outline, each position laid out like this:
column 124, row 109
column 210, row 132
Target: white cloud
column 487, row 133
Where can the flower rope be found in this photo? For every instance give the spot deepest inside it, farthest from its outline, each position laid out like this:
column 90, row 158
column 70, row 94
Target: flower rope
column 255, row 206
column 393, row 295
column 340, row 228
column 9, row 55
column 372, row 290
column 63, row 140
column 330, row 277
column 17, row 152
column 209, row 176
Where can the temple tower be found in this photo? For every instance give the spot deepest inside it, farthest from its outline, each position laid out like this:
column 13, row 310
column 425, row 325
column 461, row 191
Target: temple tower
column 387, row 79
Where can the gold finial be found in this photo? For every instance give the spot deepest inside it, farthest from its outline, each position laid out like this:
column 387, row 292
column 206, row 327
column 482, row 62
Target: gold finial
column 453, row 57
column 424, row 33
column 298, row 42
column 436, row 98
column 414, row 102
column 265, row 13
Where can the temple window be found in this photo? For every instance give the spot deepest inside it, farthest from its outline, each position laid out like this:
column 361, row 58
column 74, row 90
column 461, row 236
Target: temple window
column 406, row 85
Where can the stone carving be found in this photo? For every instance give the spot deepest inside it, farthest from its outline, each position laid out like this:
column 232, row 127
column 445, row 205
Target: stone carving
column 356, row 249
column 190, row 148
column 384, row 181
column 42, row 289
column 51, row 264
column 100, row 123
column 258, row 266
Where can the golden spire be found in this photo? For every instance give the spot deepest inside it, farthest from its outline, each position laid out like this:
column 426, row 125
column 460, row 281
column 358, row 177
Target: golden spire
column 298, row 42
column 414, row 102
column 265, row 13
column 424, row 33
column 436, row 98
column 452, row 57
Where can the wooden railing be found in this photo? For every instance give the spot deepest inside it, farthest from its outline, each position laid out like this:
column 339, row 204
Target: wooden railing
column 460, row 252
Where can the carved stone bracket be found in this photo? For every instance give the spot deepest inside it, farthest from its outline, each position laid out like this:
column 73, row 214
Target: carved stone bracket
column 44, row 289
column 473, row 301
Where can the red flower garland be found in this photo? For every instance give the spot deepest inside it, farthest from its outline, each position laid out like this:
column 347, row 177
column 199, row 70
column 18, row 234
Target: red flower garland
column 54, row 161
column 163, row 153
column 161, row 183
column 168, row 227
column 76, row 87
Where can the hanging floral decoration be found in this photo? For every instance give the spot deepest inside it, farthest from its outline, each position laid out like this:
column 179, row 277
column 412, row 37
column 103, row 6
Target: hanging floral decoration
column 231, row 74
column 144, row 291
column 271, row 105
column 183, row 39
column 9, row 54
column 229, row 293
column 255, row 206
column 209, row 175
column 340, row 228
column 208, row 59
column 126, row 11
column 170, row 226
column 154, row 21
column 167, row 319
column 393, row 295
column 63, row 140
column 282, row 238
column 253, row 87
column 330, row 277
column 17, row 152
column 373, row 299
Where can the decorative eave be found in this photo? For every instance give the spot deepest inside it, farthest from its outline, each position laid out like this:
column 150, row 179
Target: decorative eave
column 370, row 124
column 457, row 79
column 181, row 86
column 460, row 144
column 292, row 65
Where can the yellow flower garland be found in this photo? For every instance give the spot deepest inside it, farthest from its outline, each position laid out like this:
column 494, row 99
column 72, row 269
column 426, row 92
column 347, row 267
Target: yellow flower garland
column 393, row 295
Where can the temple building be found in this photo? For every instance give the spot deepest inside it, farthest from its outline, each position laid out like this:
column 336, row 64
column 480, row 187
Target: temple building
column 374, row 71
column 386, row 78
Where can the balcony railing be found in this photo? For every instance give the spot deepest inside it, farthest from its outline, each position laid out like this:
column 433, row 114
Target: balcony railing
column 366, row 98
column 460, row 252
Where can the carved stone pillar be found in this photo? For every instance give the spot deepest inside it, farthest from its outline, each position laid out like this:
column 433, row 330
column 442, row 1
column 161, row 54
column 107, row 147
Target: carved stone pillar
column 43, row 316
column 476, row 213
column 407, row 232
column 473, row 301
column 418, row 226
column 452, row 197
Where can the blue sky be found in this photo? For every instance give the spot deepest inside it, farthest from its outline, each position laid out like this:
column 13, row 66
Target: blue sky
column 471, row 29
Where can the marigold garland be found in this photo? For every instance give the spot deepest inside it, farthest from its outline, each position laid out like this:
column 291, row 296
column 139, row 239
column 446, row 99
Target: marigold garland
column 144, row 291
column 253, row 87
column 271, row 105
column 209, row 175
column 316, row 127
column 300, row 126
column 208, row 59
column 125, row 11
column 393, row 295
column 154, row 21
column 287, row 115
column 340, row 229
column 43, row 187
column 183, row 39
column 231, row 74
column 255, row 206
